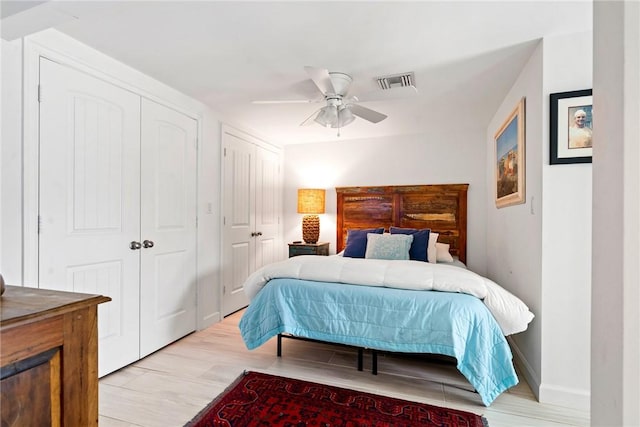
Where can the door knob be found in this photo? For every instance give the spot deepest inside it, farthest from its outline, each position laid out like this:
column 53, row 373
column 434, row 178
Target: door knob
column 135, row 245
column 254, row 234
column 259, row 233
column 147, row 243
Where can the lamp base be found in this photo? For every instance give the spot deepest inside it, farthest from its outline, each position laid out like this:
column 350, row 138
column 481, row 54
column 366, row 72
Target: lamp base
column 310, row 228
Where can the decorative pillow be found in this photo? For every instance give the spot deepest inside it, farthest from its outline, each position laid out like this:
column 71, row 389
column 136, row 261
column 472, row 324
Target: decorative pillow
column 442, row 253
column 432, row 252
column 388, row 246
column 418, row 251
column 357, row 242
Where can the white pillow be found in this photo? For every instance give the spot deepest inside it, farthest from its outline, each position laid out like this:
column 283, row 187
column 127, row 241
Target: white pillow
column 388, row 246
column 442, row 253
column 432, row 252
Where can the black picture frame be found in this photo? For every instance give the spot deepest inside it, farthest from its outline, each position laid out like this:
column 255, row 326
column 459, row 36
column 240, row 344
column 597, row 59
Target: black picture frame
column 566, row 145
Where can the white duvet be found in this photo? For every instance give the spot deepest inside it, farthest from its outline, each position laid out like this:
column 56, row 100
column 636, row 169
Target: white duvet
column 510, row 312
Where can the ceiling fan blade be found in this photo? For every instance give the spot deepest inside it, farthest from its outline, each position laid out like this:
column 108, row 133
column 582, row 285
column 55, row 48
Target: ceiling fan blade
column 321, row 78
column 287, row 101
column 309, row 120
column 367, row 113
column 387, row 94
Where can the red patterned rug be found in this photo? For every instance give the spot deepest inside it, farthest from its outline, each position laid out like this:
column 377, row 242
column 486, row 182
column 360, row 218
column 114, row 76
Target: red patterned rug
column 257, row 399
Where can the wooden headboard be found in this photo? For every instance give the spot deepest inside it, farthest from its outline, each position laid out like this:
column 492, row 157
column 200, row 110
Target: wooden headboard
column 442, row 208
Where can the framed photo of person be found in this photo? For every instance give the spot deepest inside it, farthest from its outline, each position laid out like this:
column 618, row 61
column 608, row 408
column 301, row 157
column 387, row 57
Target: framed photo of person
column 510, row 158
column 571, row 126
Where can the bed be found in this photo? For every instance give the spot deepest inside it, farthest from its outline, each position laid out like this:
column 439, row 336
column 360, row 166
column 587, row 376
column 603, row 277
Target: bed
column 405, row 306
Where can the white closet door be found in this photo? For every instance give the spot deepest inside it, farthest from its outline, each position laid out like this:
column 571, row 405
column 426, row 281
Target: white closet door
column 238, row 260
column 168, row 221
column 90, row 201
column 268, row 246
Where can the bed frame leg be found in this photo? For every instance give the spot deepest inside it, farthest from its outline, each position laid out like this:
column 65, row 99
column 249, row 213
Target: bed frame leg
column 360, row 357
column 279, row 345
column 374, row 362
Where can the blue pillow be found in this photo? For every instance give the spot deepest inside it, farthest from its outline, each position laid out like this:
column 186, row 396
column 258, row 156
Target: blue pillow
column 418, row 251
column 357, row 242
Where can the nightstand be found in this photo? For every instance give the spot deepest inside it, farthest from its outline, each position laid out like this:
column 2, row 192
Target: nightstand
column 296, row 249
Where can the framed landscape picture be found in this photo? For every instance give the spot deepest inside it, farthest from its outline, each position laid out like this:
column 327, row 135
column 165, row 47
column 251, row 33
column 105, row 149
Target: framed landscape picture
column 510, row 158
column 571, row 126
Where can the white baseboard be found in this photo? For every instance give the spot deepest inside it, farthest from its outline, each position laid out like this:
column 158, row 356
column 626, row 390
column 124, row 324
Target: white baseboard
column 209, row 320
column 566, row 397
column 549, row 393
column 533, row 379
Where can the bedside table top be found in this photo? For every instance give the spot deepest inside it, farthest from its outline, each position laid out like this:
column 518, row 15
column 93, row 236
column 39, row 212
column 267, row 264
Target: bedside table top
column 308, row 244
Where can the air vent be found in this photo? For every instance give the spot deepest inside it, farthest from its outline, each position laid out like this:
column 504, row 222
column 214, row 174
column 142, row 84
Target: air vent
column 396, row 80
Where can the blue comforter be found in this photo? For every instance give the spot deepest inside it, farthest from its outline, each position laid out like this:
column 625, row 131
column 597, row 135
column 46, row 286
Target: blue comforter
column 398, row 320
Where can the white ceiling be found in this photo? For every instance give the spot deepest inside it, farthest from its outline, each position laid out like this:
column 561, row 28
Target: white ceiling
column 465, row 55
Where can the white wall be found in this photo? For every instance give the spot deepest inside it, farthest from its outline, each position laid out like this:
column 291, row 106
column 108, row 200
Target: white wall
column 209, row 215
column 19, row 181
column 541, row 250
column 11, row 163
column 448, row 155
column 566, row 239
column 615, row 349
column 514, row 233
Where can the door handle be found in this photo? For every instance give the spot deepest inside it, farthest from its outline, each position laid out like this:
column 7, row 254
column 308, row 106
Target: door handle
column 134, row 245
column 256, row 233
column 148, row 243
column 259, row 233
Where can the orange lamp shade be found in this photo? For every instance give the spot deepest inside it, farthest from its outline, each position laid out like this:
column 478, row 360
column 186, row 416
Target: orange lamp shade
column 311, row 201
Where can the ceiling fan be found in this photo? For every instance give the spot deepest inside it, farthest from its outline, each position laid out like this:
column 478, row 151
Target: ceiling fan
column 340, row 109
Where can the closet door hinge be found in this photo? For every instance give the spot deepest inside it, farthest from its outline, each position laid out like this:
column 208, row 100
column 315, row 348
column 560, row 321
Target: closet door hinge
column 39, row 93
column 224, row 290
column 39, row 224
column 224, row 220
column 225, row 151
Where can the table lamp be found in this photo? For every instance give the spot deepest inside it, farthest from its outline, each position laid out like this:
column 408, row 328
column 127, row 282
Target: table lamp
column 310, row 203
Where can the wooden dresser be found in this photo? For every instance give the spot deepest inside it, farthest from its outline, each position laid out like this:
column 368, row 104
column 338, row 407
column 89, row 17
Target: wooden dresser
column 48, row 357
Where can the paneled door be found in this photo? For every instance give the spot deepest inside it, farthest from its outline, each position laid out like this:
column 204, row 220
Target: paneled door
column 168, row 223
column 267, row 214
column 118, row 210
column 90, row 201
column 252, row 211
column 239, row 235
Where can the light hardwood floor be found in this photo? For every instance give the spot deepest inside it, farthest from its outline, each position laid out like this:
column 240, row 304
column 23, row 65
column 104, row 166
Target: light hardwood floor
column 172, row 385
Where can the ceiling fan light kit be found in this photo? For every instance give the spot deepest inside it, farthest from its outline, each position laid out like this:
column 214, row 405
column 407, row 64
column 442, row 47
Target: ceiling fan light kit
column 345, row 116
column 327, row 116
column 335, row 115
